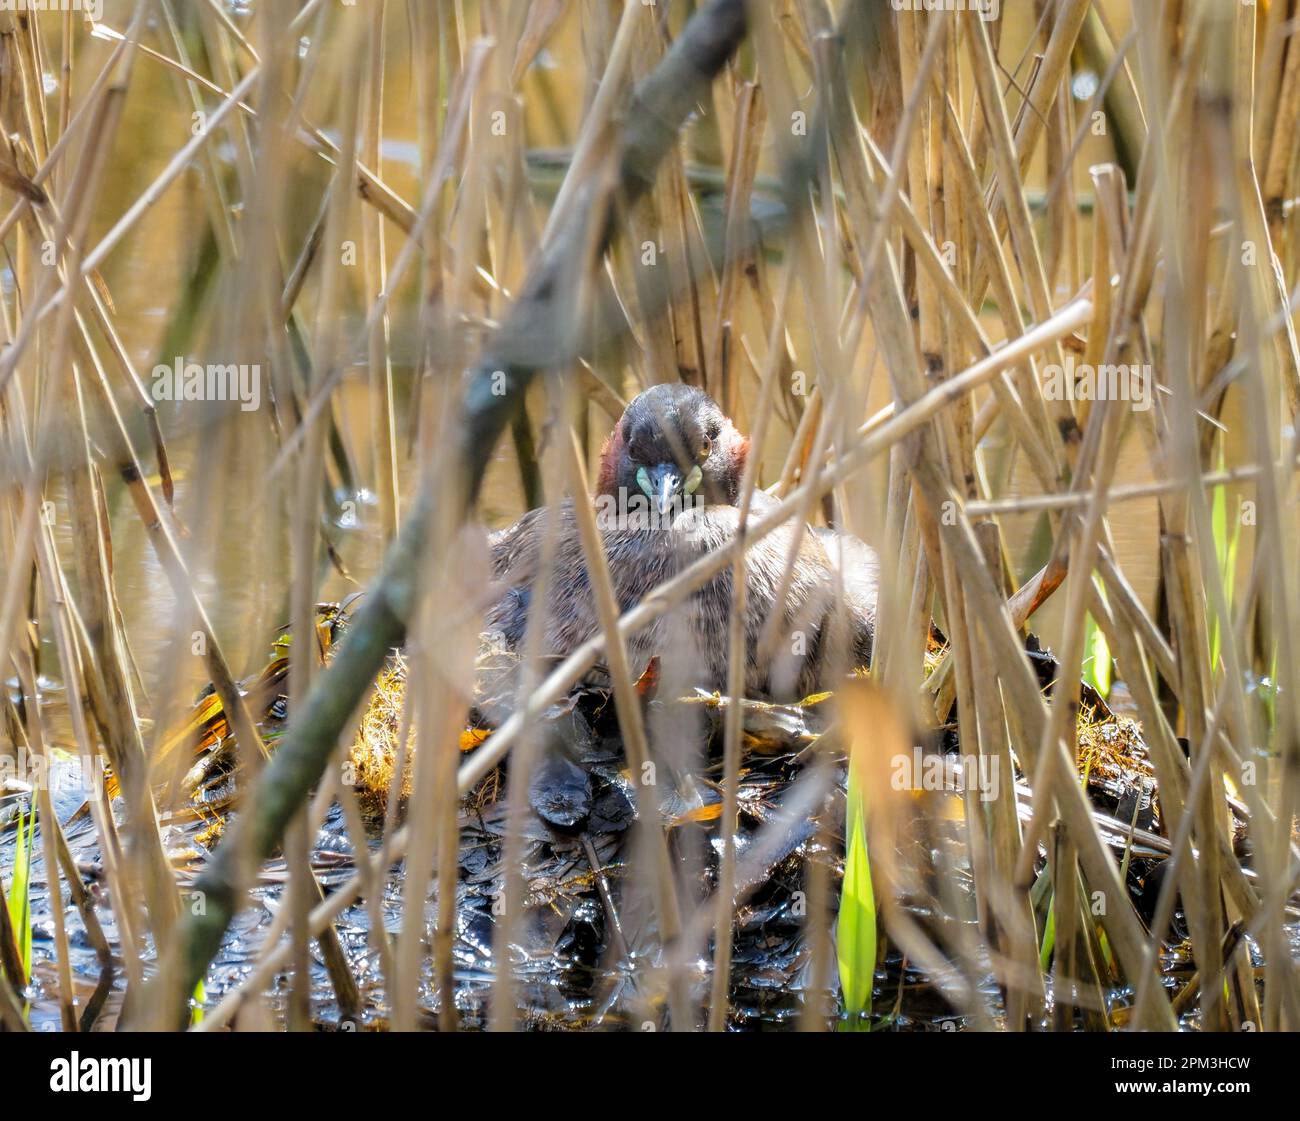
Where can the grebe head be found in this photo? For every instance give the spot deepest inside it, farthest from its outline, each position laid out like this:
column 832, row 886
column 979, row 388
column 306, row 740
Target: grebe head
column 673, row 445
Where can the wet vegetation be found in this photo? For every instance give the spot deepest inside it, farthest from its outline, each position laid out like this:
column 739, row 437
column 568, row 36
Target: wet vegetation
column 302, row 301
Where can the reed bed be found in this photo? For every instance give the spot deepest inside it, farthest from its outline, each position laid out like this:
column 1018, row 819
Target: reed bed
column 978, row 284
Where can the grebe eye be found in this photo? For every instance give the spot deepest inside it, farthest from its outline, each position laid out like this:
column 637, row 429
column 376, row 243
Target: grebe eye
column 706, row 448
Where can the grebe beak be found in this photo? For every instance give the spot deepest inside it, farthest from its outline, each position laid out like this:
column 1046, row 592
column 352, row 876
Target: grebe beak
column 662, row 483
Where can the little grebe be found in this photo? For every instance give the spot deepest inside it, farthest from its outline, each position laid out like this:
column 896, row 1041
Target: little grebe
column 669, row 479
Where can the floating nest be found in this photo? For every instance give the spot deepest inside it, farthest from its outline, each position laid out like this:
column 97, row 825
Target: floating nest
column 1112, row 754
